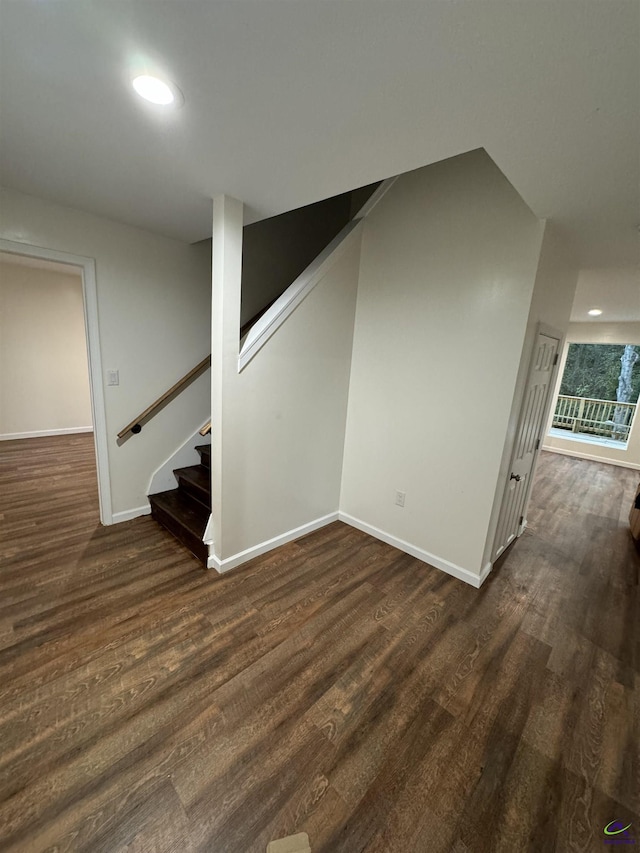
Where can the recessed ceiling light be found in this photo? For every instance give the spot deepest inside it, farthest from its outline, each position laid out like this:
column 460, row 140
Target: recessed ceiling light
column 154, row 89
column 595, row 312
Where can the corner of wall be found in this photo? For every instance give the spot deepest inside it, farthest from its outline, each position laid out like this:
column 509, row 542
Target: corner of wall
column 436, row 269
column 551, row 302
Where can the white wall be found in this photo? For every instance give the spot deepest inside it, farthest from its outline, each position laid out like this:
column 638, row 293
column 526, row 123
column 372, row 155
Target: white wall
column 154, row 310
column 449, row 260
column 598, row 333
column 552, row 299
column 278, row 427
column 44, row 378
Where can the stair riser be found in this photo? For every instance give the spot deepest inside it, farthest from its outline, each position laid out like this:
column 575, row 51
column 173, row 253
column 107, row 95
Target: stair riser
column 199, row 494
column 205, row 457
column 197, row 548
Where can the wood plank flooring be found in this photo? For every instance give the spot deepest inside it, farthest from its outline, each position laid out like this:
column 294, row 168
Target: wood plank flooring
column 336, row 686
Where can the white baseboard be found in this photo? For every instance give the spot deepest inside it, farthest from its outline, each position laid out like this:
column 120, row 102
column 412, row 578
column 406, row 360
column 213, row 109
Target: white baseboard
column 222, row 566
column 43, row 433
column 129, row 514
column 484, row 574
column 241, row 557
column 439, row 563
column 591, row 458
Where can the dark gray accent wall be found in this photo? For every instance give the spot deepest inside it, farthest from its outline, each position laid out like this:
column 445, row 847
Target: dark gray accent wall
column 361, row 195
column 275, row 251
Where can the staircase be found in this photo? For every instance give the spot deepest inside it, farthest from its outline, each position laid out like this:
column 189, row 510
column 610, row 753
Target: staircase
column 185, row 511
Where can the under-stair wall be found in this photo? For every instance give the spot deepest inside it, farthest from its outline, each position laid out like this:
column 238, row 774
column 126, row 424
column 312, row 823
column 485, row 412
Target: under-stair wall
column 438, row 284
column 278, row 425
column 448, row 265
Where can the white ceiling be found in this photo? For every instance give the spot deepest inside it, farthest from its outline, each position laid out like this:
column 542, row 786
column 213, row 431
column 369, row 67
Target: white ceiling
column 615, row 292
column 289, row 102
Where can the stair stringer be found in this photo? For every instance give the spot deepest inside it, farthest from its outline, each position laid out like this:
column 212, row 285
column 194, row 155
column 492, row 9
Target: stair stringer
column 208, row 536
column 163, row 478
column 288, row 301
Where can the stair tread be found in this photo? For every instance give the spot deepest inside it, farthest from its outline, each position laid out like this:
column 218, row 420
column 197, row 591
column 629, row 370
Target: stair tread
column 184, row 509
column 197, row 474
column 196, row 481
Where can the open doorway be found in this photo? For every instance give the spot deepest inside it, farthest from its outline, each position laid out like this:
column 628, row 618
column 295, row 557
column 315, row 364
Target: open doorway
column 44, row 387
column 51, row 381
column 597, row 422
column 598, row 394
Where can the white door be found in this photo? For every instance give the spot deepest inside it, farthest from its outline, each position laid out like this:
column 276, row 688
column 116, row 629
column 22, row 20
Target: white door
column 528, row 441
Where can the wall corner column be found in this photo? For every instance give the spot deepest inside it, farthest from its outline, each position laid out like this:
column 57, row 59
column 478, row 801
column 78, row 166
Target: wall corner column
column 226, row 280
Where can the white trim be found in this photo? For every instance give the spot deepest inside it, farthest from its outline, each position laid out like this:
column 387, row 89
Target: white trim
column 375, row 197
column 208, row 535
column 551, row 332
column 587, row 438
column 241, row 557
column 129, row 514
column 222, row 566
column 484, row 574
column 438, row 562
column 41, row 433
column 499, row 500
column 286, row 304
column 589, row 458
column 92, row 331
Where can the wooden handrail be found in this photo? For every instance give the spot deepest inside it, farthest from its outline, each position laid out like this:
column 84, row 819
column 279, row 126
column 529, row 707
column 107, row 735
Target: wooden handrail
column 135, row 426
column 205, row 429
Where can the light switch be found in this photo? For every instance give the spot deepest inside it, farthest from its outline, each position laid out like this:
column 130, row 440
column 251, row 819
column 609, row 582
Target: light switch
column 113, row 377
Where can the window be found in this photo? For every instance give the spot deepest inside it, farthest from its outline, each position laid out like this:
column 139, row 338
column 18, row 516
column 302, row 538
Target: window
column 598, row 394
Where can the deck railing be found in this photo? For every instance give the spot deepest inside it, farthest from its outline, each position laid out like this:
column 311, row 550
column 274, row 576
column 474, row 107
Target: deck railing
column 594, row 417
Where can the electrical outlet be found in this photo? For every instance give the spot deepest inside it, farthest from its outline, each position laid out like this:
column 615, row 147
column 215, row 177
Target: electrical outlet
column 113, row 377
column 400, row 496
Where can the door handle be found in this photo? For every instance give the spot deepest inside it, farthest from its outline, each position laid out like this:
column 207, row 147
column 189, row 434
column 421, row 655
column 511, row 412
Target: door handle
column 515, row 477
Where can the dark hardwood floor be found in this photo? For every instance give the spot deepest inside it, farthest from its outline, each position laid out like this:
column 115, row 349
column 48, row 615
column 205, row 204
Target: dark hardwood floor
column 335, row 686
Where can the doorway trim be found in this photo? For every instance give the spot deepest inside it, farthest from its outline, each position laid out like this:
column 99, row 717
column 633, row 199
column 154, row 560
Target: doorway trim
column 549, row 331
column 92, row 332
column 561, row 337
